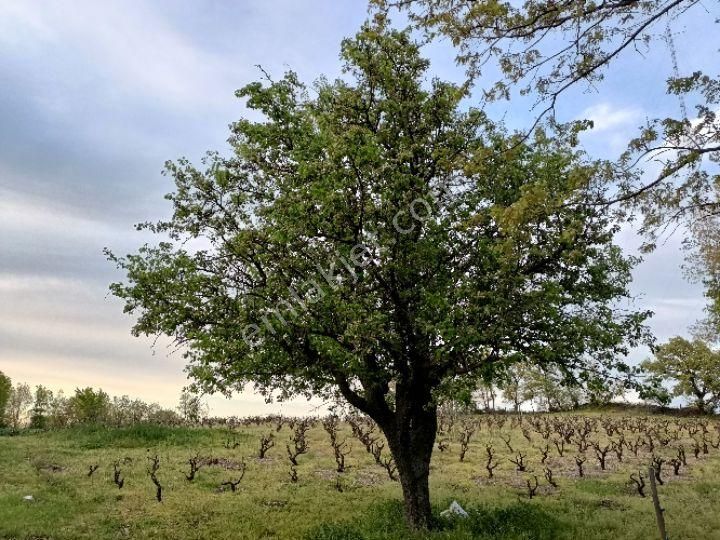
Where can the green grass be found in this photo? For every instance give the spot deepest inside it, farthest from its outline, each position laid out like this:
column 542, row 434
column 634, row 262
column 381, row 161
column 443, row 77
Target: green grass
column 517, row 521
column 67, row 504
column 139, row 436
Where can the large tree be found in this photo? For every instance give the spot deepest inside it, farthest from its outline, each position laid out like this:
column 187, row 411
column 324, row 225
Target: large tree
column 545, row 48
column 375, row 240
column 692, row 368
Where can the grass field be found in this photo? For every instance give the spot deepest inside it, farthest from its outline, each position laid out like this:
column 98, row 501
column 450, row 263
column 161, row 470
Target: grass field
column 363, row 502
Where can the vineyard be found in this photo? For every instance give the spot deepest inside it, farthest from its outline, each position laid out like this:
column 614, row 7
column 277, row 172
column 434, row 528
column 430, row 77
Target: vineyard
column 530, row 476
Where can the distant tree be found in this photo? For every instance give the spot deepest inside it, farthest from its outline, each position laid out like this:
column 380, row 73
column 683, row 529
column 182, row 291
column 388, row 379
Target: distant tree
column 119, row 413
column 514, row 385
column 485, row 394
column 89, row 406
column 139, row 411
column 18, row 405
column 59, row 415
column 125, row 411
column 554, row 389
column 5, row 390
column 602, row 391
column 551, row 389
column 657, row 394
column 376, row 241
column 41, row 407
column 458, row 396
column 167, row 417
column 691, row 367
column 191, row 407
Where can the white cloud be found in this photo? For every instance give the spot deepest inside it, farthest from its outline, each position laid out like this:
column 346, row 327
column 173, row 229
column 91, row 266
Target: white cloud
column 613, row 127
column 607, row 117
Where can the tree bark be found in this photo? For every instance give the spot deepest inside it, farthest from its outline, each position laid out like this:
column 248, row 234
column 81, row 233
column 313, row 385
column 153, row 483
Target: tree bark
column 411, row 438
column 410, row 430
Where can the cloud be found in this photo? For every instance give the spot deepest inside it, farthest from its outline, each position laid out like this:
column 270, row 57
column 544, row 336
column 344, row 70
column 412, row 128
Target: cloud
column 45, row 239
column 607, row 117
column 134, row 52
column 613, row 127
column 94, row 98
column 19, row 213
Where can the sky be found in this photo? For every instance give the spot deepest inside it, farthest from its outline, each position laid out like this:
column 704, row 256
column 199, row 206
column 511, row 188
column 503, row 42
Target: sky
column 96, row 96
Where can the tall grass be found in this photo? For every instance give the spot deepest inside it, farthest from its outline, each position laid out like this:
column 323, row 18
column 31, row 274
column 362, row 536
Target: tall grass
column 136, row 436
column 519, row 521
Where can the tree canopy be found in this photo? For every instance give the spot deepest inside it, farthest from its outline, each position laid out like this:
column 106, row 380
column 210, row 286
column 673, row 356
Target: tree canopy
column 90, row 406
column 373, row 238
column 544, row 48
column 191, row 407
column 552, row 389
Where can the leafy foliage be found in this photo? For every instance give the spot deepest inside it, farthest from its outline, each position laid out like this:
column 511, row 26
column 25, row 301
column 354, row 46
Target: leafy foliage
column 41, row 405
column 546, row 47
column 378, row 241
column 551, row 389
column 509, row 263
column 191, row 407
column 90, row 406
column 19, row 400
column 693, row 367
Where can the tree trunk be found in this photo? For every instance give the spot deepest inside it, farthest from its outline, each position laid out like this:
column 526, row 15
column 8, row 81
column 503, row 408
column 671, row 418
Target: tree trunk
column 410, row 429
column 413, row 465
column 411, row 438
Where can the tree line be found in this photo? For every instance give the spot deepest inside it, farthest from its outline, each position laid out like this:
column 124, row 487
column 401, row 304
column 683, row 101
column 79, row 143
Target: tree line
column 680, row 368
column 41, row 408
